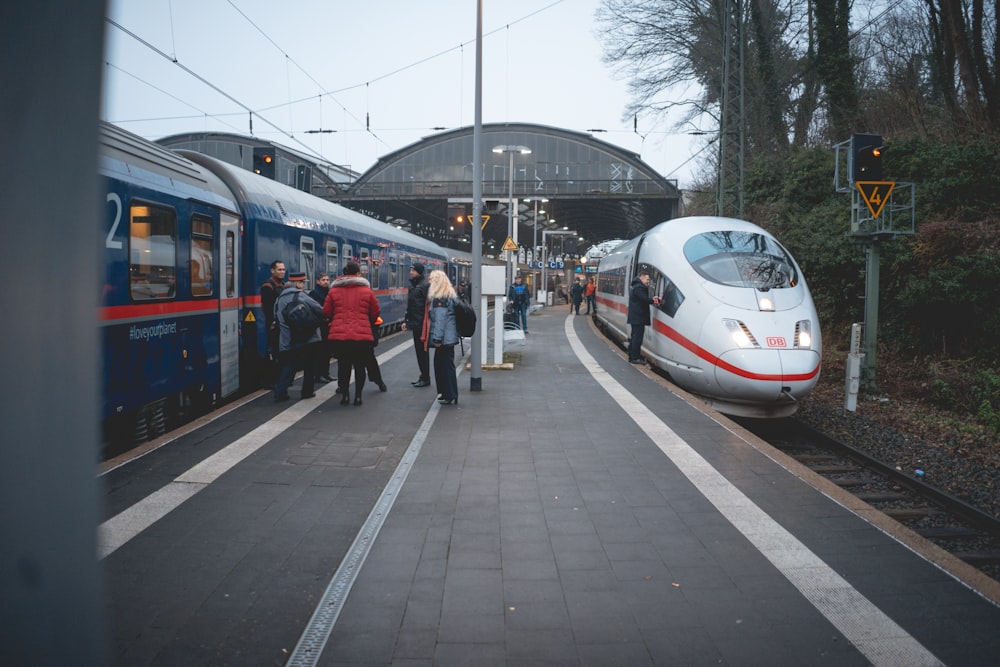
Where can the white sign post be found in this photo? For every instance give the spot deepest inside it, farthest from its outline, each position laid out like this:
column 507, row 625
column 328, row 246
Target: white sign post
column 493, row 282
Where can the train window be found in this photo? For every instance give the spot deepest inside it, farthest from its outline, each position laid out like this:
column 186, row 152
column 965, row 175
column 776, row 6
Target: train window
column 307, row 259
column 663, row 287
column 393, row 272
column 347, row 252
column 152, row 252
column 202, row 267
column 332, row 259
column 365, row 263
column 741, row 259
column 230, row 263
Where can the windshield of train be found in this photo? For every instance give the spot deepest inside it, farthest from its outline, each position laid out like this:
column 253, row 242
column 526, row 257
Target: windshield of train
column 741, row 259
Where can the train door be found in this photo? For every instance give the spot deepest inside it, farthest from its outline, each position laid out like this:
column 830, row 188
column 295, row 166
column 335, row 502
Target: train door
column 229, row 304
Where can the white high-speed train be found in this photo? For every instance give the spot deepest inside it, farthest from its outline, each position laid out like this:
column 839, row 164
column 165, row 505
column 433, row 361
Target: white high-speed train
column 736, row 324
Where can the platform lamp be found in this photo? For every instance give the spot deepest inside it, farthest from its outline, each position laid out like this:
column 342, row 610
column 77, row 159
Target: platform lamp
column 534, row 246
column 510, row 150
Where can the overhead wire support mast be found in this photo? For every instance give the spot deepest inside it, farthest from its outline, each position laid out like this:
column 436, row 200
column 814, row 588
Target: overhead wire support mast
column 729, row 195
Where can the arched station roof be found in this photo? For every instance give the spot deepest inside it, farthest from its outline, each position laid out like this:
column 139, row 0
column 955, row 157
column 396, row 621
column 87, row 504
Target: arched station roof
column 594, row 188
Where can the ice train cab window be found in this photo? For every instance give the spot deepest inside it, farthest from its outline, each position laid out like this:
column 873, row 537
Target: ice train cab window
column 152, row 252
column 741, row 259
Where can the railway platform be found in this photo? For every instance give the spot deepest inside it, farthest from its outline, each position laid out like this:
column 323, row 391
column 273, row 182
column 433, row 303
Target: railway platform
column 576, row 511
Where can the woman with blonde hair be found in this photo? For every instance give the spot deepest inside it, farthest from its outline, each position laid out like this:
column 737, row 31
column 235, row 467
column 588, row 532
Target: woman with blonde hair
column 441, row 333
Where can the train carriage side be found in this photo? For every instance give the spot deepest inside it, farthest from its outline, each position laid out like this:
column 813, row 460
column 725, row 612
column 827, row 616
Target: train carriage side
column 168, row 348
column 314, row 235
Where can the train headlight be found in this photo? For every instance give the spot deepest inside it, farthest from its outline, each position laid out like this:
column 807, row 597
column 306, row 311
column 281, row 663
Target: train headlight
column 765, row 303
column 740, row 334
column 803, row 334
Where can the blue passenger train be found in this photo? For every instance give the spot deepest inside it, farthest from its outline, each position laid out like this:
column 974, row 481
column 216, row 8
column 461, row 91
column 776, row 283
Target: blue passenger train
column 187, row 241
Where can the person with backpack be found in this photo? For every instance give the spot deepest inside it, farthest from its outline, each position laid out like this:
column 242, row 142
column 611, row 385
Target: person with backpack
column 298, row 318
column 519, row 297
column 441, row 333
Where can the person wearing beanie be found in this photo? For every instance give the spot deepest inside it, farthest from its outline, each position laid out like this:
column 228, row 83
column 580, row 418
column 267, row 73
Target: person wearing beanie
column 416, row 304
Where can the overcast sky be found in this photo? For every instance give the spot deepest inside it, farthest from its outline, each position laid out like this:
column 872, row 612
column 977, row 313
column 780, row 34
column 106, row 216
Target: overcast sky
column 398, row 67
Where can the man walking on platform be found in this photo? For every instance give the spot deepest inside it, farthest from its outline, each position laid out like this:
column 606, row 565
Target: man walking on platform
column 416, row 304
column 638, row 315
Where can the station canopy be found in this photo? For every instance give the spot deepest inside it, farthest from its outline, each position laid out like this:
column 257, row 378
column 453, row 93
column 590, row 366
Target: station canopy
column 593, row 188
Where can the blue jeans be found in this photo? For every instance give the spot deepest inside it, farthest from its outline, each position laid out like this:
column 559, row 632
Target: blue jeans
column 591, row 304
column 521, row 316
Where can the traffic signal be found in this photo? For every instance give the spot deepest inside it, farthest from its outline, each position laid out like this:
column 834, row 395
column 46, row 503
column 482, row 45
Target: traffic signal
column 457, row 219
column 866, row 157
column 263, row 161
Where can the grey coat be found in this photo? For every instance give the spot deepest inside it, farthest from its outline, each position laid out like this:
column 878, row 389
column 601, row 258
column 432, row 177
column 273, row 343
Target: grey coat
column 285, row 298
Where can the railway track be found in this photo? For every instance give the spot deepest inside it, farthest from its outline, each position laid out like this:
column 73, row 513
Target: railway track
column 959, row 528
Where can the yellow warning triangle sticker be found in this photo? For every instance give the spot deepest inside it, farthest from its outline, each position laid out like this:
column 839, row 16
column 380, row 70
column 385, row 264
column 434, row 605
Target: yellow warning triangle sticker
column 875, row 194
column 249, row 317
column 509, row 245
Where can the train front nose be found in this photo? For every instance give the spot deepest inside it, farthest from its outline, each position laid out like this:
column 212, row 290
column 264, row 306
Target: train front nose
column 767, row 374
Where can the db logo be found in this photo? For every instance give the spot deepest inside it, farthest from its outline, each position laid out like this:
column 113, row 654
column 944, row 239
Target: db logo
column 776, row 341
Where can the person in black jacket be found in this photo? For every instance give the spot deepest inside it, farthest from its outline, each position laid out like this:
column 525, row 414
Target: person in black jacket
column 416, row 304
column 318, row 294
column 638, row 315
column 576, row 294
column 269, row 292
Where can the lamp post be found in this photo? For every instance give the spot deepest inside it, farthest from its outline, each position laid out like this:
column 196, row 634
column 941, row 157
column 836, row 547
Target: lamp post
column 534, row 245
column 510, row 150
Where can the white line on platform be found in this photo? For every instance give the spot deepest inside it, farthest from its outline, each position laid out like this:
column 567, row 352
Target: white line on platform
column 119, row 529
column 878, row 637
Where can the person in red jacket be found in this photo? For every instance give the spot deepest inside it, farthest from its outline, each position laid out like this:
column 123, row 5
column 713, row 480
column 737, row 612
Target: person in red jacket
column 351, row 307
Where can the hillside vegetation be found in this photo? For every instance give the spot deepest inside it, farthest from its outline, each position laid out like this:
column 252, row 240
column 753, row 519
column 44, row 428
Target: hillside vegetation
column 939, row 303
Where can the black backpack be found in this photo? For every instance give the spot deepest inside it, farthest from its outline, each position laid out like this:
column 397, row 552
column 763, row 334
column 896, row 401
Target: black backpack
column 465, row 318
column 301, row 320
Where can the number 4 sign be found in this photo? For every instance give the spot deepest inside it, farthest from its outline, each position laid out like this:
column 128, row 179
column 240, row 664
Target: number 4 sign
column 875, row 194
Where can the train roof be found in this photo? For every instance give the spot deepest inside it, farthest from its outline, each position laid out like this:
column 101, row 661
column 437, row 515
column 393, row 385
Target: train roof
column 287, row 205
column 131, row 158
